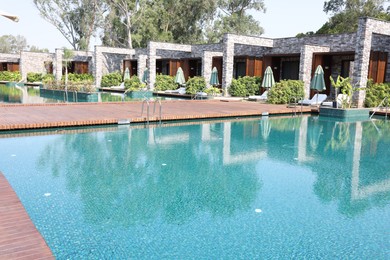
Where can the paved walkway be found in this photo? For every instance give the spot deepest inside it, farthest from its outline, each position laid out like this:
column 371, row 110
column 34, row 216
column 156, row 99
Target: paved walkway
column 14, row 117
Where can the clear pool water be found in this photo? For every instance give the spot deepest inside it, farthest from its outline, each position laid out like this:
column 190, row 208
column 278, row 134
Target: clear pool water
column 33, row 95
column 274, row 188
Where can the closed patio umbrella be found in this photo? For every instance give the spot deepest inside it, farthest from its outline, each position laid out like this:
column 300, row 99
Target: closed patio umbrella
column 214, row 77
column 127, row 74
column 318, row 82
column 145, row 76
column 268, row 79
column 179, row 78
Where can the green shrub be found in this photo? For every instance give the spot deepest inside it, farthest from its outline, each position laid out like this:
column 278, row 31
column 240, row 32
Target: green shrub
column 34, row 77
column 375, row 93
column 111, row 79
column 133, row 84
column 285, row 90
column 79, row 77
column 245, row 86
column 213, row 91
column 10, row 76
column 48, row 78
column 164, row 82
column 195, row 84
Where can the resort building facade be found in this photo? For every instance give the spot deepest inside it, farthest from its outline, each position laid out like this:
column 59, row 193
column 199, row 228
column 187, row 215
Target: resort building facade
column 361, row 56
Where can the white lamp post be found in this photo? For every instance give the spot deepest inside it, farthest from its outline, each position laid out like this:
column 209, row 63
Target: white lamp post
column 9, row 16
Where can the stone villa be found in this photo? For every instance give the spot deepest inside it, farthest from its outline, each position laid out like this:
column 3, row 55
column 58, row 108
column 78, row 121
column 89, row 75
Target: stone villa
column 361, row 55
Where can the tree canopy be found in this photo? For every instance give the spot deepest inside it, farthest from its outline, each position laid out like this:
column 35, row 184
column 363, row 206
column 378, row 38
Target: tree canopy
column 16, row 44
column 345, row 14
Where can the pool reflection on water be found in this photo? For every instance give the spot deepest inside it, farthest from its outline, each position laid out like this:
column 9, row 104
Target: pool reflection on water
column 304, row 187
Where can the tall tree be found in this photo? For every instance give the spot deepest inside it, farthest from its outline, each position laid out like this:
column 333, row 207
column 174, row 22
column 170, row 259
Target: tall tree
column 234, row 18
column 77, row 20
column 345, row 14
column 13, row 44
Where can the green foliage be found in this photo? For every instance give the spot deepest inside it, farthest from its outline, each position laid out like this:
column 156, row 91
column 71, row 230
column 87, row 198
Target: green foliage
column 48, row 78
column 375, row 93
column 34, row 77
column 345, row 86
column 213, row 91
column 80, row 86
column 164, row 82
column 245, row 86
column 12, row 44
column 347, row 12
column 195, row 84
column 10, row 76
column 285, row 90
column 72, row 77
column 111, row 79
column 133, row 84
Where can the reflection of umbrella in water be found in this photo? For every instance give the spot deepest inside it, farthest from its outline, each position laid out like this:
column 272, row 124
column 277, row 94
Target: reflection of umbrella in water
column 268, row 79
column 127, row 74
column 318, row 82
column 214, row 77
column 145, row 76
column 179, row 78
column 265, row 126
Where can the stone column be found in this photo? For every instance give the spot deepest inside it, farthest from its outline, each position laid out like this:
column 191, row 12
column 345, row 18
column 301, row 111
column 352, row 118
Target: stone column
column 228, row 60
column 141, row 65
column 362, row 60
column 97, row 69
column 22, row 68
column 151, row 63
column 58, row 64
column 305, row 67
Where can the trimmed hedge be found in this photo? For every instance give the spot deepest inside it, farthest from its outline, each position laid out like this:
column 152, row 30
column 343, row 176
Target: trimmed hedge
column 165, row 82
column 285, row 90
column 79, row 77
column 195, row 84
column 245, row 86
column 375, row 93
column 111, row 79
column 34, row 77
column 133, row 84
column 10, row 76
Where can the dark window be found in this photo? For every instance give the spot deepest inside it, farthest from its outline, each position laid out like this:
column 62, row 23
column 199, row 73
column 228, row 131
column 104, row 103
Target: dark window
column 345, row 67
column 290, row 70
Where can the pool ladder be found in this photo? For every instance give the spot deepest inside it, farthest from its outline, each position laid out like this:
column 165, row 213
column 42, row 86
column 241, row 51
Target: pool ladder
column 147, row 101
column 380, row 106
column 294, row 105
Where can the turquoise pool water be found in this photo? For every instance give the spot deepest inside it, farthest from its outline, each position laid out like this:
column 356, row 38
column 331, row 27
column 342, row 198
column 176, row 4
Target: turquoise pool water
column 31, row 95
column 275, row 188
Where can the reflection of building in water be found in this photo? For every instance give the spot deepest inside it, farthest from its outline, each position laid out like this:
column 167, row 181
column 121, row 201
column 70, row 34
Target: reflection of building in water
column 243, row 156
column 361, row 192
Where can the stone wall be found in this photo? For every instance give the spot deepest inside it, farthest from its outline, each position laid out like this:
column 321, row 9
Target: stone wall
column 335, row 43
column 34, row 62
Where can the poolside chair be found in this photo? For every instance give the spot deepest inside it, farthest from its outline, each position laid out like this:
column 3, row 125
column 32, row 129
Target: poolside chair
column 341, row 99
column 121, row 86
column 181, row 90
column 263, row 97
column 317, row 99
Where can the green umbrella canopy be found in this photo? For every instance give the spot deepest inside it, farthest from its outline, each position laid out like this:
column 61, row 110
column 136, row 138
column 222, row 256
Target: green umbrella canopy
column 179, row 78
column 127, row 74
column 145, row 76
column 214, row 77
column 268, row 79
column 318, row 82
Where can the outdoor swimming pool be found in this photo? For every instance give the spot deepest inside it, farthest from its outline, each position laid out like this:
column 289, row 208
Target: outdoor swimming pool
column 301, row 187
column 33, row 95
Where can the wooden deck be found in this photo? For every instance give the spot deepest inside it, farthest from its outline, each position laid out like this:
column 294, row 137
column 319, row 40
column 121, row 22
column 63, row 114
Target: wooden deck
column 15, row 117
column 19, row 239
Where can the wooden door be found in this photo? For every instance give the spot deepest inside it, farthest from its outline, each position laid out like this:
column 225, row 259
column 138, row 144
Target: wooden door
column 217, row 62
column 377, row 66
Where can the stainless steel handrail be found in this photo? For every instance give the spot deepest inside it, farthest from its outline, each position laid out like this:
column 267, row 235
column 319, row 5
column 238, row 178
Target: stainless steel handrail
column 380, row 105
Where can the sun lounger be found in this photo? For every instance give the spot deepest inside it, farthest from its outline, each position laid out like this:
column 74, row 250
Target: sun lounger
column 263, row 97
column 341, row 98
column 121, row 86
column 317, row 99
column 180, row 90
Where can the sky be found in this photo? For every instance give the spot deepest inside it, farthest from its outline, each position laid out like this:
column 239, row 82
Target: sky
column 283, row 18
